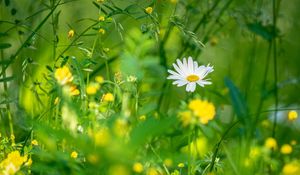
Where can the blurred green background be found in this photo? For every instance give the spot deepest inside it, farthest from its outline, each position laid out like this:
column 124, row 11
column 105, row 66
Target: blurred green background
column 255, row 62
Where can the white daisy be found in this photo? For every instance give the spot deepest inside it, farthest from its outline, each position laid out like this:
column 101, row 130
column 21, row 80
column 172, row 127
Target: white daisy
column 189, row 73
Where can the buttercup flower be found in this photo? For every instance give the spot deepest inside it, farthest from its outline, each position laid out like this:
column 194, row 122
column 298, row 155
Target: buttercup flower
column 149, row 10
column 63, row 75
column 189, row 73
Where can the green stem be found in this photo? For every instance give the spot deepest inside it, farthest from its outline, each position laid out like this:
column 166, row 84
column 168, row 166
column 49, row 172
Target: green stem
column 13, row 57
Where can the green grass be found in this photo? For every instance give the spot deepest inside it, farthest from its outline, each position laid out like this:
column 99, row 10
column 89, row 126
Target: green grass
column 58, row 116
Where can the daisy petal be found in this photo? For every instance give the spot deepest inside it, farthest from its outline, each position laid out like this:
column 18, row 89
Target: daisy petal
column 192, row 86
column 190, row 65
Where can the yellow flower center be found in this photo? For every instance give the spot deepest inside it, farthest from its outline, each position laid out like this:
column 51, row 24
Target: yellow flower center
column 192, row 78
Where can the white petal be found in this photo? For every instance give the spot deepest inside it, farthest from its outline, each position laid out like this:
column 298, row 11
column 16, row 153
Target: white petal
column 190, row 65
column 180, row 83
column 187, row 88
column 181, row 66
column 184, row 62
column 178, row 69
column 192, row 86
column 173, row 73
column 174, row 77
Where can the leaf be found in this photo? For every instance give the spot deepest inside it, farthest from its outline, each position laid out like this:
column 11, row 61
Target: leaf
column 4, row 45
column 237, row 100
column 149, row 128
column 266, row 32
column 6, row 79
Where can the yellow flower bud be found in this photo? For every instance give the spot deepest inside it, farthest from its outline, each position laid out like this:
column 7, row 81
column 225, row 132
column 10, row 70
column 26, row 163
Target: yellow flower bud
column 149, row 10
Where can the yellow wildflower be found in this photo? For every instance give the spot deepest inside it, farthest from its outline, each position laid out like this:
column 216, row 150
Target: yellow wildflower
column 142, row 118
column 100, row 1
column 270, row 143
column 101, row 18
column 74, row 91
column 292, row 168
column 204, row 110
column 71, row 33
column 102, row 31
column 180, row 165
column 185, row 117
column 34, row 142
column 118, row 170
column 137, row 167
column 214, row 41
column 92, row 89
column 292, row 115
column 254, row 152
column 63, row 75
column 99, row 79
column 108, row 97
column 152, row 171
column 74, row 155
column 12, row 163
column 286, row 149
column 149, row 10
column 168, row 162
column 293, row 142
column 102, row 137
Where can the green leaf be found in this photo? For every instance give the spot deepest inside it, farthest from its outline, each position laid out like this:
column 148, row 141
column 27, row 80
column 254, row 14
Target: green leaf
column 6, row 79
column 149, row 128
column 266, row 32
column 237, row 100
column 4, row 45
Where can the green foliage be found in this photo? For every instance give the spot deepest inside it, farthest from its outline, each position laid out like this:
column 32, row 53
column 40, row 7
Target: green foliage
column 84, row 88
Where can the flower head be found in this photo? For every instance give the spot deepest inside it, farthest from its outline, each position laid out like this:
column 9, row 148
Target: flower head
column 71, row 33
column 63, row 75
column 149, row 10
column 189, row 73
column 292, row 115
column 74, row 155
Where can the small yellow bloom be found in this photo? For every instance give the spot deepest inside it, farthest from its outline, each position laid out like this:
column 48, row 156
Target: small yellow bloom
column 101, row 18
column 94, row 159
column 254, row 152
column 74, row 91
column 270, row 143
column 203, row 110
column 293, row 142
column 35, row 142
column 74, row 154
column 71, row 33
column 168, row 162
column 286, row 149
column 102, row 137
column 152, row 171
column 99, row 79
column 214, row 41
column 118, row 170
column 186, row 118
column 63, row 75
column 102, row 31
column 180, row 165
column 92, row 89
column 142, row 118
column 100, row 1
column 12, row 137
column 149, row 10
column 138, row 167
column 292, row 115
column 108, row 97
column 292, row 168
